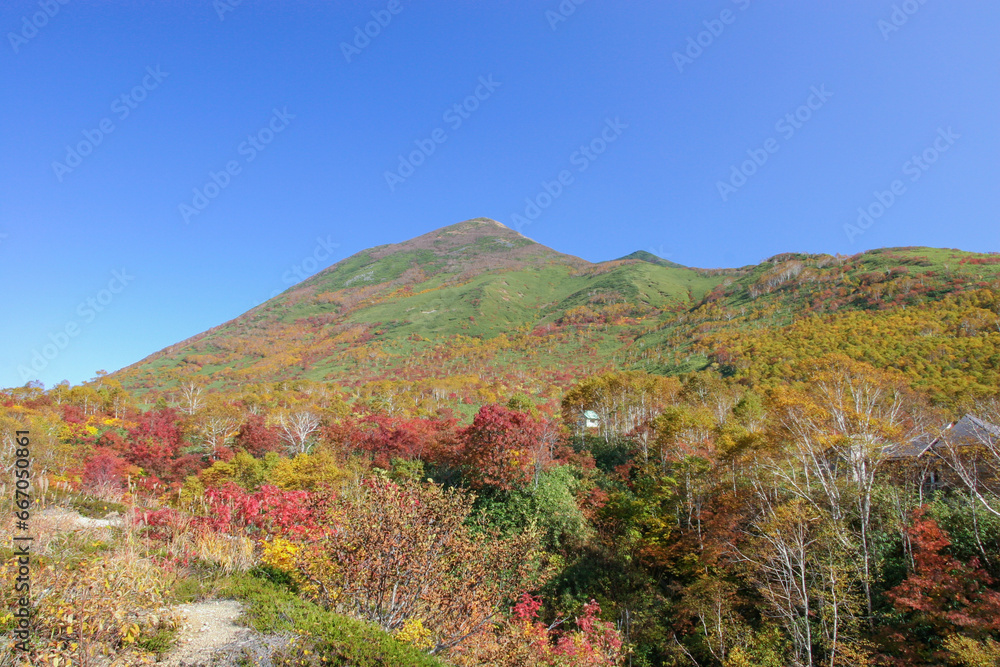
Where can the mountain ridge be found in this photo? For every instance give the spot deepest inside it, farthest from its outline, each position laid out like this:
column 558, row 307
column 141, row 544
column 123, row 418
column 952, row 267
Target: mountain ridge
column 478, row 297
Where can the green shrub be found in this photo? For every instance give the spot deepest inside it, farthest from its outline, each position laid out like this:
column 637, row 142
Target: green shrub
column 324, row 638
column 95, row 508
column 161, row 641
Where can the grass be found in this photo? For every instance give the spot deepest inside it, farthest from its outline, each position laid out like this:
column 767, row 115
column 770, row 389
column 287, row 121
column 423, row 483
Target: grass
column 95, row 508
column 160, row 642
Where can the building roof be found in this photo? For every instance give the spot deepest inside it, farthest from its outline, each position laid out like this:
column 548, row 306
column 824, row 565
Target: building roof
column 911, row 450
column 590, row 414
column 968, row 430
column 971, row 429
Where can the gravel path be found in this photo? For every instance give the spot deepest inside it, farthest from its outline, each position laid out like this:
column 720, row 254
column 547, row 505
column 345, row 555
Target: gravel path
column 210, row 637
column 210, row 626
column 63, row 519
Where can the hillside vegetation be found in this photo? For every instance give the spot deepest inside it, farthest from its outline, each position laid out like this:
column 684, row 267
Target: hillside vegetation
column 473, row 311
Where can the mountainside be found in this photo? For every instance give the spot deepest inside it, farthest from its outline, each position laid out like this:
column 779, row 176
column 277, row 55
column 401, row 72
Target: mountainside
column 479, row 301
column 933, row 314
column 394, row 305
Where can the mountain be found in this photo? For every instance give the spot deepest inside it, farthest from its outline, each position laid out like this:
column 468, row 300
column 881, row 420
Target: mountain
column 475, row 280
column 652, row 259
column 479, row 301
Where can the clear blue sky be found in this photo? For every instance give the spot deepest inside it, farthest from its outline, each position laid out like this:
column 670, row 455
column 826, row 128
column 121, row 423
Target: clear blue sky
column 682, row 125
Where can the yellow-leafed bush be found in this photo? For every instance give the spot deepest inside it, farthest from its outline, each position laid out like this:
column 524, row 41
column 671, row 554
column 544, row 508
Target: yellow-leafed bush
column 106, row 607
column 413, row 632
column 280, row 554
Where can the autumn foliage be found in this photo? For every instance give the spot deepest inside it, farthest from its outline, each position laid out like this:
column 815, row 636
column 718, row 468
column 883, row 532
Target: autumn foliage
column 403, row 556
column 500, row 448
column 940, row 598
column 747, row 478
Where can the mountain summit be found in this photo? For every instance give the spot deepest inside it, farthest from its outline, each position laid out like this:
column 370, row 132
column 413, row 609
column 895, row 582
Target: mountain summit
column 476, row 245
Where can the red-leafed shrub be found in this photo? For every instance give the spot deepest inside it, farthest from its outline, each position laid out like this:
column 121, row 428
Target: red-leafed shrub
column 105, row 469
column 941, row 597
column 188, row 464
column 72, row 414
column 499, row 448
column 112, row 440
column 269, row 510
column 257, row 438
column 222, row 453
column 150, row 485
column 162, row 523
column 389, row 438
column 155, row 441
column 230, row 510
column 594, row 643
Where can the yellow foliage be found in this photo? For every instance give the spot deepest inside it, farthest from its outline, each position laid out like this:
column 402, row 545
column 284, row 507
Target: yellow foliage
column 308, row 472
column 281, row 554
column 967, row 652
column 99, row 608
column 414, row 632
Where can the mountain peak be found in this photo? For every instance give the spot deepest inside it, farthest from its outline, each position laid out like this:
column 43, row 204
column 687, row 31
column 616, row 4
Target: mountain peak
column 477, row 222
column 463, row 250
column 476, row 227
column 476, row 245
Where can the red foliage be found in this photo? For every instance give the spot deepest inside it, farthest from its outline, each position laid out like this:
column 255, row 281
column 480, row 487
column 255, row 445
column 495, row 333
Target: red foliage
column 155, row 441
column 256, row 438
column 593, row 643
column 72, row 414
column 389, row 437
column 593, row 501
column 941, row 596
column 222, row 453
column 105, row 468
column 162, row 522
column 231, row 510
column 412, row 438
column 151, row 485
column 181, row 467
column 499, row 447
column 268, row 510
column 111, row 440
column 527, row 607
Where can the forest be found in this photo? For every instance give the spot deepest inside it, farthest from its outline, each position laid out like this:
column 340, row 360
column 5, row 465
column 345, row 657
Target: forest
column 706, row 519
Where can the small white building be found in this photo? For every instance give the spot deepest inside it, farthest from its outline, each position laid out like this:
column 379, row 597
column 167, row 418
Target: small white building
column 590, row 419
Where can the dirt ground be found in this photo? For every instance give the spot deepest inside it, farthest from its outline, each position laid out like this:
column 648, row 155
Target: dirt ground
column 209, row 628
